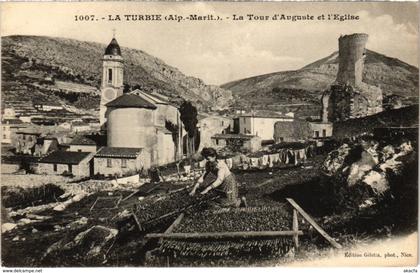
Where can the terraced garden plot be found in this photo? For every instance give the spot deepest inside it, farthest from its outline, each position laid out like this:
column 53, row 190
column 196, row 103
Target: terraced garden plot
column 241, row 219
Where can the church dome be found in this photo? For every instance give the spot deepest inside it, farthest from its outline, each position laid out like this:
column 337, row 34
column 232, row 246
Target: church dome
column 113, row 48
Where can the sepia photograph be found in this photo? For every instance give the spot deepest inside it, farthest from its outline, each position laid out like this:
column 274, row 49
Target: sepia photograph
column 209, row 134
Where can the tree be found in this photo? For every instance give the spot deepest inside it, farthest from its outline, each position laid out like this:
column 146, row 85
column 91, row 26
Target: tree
column 174, row 129
column 127, row 88
column 189, row 119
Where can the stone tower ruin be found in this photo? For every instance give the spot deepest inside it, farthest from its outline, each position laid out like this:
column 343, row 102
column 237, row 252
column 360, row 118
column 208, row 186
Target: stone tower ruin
column 349, row 97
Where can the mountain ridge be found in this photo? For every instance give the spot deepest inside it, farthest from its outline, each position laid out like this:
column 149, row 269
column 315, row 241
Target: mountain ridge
column 307, row 84
column 81, row 62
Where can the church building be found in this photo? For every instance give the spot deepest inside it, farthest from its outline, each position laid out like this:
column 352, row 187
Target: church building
column 136, row 120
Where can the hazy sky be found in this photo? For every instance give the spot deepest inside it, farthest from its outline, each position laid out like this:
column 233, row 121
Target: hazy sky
column 222, row 51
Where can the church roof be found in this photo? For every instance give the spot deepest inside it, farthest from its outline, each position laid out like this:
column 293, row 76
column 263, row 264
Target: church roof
column 130, row 101
column 113, row 48
column 149, row 97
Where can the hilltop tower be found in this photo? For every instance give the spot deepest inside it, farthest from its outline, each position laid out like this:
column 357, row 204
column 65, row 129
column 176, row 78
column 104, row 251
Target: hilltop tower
column 349, row 97
column 112, row 77
column 352, row 58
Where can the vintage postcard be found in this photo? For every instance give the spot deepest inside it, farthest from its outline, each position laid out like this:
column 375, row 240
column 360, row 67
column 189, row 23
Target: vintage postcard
column 209, row 134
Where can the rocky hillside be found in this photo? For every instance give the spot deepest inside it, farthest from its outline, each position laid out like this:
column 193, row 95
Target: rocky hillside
column 38, row 62
column 307, row 84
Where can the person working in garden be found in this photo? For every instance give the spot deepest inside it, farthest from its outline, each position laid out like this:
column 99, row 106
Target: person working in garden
column 225, row 179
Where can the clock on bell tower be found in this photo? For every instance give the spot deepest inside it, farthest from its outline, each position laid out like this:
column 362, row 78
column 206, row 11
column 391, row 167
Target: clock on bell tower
column 112, row 77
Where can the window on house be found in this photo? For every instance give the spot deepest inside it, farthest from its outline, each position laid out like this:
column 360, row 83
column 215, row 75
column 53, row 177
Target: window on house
column 324, row 133
column 70, row 168
column 55, row 167
column 217, row 142
column 316, row 133
column 123, row 163
column 79, row 150
column 109, row 162
column 109, row 75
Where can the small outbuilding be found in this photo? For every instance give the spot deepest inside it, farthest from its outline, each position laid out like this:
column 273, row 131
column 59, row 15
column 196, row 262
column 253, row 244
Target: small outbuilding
column 237, row 142
column 65, row 162
column 110, row 161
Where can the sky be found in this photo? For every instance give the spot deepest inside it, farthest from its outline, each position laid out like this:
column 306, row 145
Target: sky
column 226, row 50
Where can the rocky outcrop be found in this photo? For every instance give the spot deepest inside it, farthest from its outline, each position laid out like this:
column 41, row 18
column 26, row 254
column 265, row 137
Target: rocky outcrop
column 366, row 163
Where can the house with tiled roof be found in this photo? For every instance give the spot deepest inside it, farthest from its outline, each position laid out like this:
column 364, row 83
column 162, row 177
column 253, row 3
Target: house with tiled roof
column 80, row 126
column 82, row 144
column 79, row 164
column 86, row 143
column 119, row 161
column 9, row 128
column 261, row 123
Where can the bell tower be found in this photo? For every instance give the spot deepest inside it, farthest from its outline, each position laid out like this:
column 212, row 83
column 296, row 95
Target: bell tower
column 112, row 77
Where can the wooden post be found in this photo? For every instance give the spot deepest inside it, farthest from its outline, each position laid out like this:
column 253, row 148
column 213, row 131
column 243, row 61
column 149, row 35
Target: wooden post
column 313, row 223
column 173, row 225
column 137, row 221
column 224, row 235
column 295, row 227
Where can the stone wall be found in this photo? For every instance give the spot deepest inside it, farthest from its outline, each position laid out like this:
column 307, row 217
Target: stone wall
column 285, row 131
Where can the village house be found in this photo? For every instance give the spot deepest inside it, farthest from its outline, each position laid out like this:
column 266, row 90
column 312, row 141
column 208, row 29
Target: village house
column 321, row 129
column 9, row 127
column 8, row 112
column 297, row 130
column 111, row 161
column 45, row 145
column 86, row 143
column 65, row 125
column 236, row 142
column 26, row 140
column 208, row 126
column 9, row 165
column 80, row 126
column 64, row 162
column 47, row 106
column 301, row 130
column 261, row 123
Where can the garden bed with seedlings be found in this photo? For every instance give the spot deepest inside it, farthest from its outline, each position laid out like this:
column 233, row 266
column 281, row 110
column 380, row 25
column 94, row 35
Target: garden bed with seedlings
column 228, row 235
column 231, row 242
